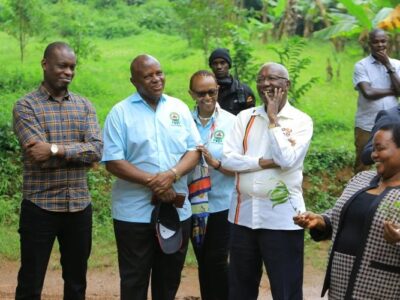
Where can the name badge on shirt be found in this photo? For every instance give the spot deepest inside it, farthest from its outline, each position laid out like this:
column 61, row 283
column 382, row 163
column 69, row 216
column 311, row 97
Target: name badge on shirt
column 175, row 119
column 218, row 136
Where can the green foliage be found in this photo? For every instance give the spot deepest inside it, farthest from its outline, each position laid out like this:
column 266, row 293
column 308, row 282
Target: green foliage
column 242, row 58
column 358, row 19
column 203, row 23
column 327, row 160
column 327, row 126
column 290, row 57
column 324, row 185
column 77, row 27
column 10, row 176
column 23, row 19
column 159, row 16
column 16, row 80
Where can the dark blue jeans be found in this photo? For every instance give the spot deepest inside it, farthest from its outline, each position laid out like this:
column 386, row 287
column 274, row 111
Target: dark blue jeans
column 282, row 253
column 38, row 228
column 212, row 258
column 139, row 254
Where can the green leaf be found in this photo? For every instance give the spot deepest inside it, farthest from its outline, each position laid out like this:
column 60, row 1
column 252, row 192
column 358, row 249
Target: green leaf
column 279, row 9
column 358, row 12
column 381, row 15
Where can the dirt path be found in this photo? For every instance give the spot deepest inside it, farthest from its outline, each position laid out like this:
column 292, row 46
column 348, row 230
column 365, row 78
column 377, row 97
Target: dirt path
column 103, row 283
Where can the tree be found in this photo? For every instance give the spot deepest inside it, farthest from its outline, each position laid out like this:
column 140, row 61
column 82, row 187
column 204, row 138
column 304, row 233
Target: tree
column 290, row 57
column 357, row 19
column 203, row 22
column 23, row 19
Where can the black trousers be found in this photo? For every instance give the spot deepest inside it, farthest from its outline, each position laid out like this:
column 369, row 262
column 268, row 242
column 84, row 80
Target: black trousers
column 38, row 229
column 139, row 254
column 282, row 253
column 212, row 258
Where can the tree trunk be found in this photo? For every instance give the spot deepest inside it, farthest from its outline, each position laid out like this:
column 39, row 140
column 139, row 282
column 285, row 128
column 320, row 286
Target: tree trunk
column 264, row 19
column 287, row 27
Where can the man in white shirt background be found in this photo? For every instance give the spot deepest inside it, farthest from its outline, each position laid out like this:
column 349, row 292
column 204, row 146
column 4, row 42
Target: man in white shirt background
column 266, row 149
column 377, row 80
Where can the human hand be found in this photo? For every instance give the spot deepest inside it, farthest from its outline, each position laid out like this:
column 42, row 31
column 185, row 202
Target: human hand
column 167, row 196
column 273, row 104
column 161, row 182
column 309, row 220
column 37, row 151
column 391, row 232
column 382, row 57
column 210, row 160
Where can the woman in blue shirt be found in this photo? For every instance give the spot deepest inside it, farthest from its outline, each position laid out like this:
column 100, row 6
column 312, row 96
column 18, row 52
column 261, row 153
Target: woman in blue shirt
column 214, row 125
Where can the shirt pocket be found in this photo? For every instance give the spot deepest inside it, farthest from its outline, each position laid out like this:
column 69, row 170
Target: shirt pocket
column 176, row 139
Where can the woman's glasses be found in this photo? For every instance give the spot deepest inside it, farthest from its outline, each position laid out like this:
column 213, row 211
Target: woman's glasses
column 210, row 93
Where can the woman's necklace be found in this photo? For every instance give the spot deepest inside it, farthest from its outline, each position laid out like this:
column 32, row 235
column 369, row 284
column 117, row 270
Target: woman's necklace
column 205, row 119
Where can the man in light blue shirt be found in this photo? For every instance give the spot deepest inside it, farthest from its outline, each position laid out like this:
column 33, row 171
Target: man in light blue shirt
column 150, row 145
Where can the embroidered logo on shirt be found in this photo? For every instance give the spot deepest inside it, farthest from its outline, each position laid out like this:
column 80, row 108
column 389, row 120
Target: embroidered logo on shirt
column 218, row 136
column 175, row 119
column 288, row 132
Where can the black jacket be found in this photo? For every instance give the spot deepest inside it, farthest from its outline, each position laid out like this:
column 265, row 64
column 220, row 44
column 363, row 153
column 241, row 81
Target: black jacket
column 383, row 117
column 234, row 96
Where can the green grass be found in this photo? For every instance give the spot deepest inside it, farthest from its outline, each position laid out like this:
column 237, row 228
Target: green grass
column 106, row 81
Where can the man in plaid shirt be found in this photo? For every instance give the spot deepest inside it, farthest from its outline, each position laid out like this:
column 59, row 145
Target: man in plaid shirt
column 60, row 137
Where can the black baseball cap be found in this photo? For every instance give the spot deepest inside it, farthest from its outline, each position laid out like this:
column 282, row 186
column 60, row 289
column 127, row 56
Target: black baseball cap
column 168, row 227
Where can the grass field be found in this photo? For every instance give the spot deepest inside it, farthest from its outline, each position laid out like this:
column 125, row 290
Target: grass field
column 105, row 82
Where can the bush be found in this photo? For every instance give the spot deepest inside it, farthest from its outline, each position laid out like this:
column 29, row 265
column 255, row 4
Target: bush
column 326, row 174
column 10, row 176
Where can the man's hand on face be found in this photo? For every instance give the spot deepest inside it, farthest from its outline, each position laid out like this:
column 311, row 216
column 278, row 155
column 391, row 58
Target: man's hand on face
column 37, row 151
column 274, row 101
column 161, row 182
column 382, row 57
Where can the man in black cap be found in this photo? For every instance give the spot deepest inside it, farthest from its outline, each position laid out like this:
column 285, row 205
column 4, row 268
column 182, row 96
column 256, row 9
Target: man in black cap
column 233, row 95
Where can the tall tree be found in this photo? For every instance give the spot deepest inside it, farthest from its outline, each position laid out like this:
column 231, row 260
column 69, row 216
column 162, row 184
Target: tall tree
column 23, row 19
column 204, row 21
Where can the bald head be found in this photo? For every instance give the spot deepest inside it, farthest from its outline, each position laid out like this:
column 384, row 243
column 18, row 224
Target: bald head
column 142, row 61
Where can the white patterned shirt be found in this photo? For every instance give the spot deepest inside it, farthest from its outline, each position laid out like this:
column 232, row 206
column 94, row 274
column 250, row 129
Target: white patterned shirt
column 287, row 145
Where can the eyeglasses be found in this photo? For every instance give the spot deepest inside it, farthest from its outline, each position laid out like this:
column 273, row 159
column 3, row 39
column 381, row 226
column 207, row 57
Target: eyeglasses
column 211, row 93
column 261, row 80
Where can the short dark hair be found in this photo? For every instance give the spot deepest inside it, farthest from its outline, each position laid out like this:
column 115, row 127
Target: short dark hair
column 374, row 32
column 202, row 73
column 395, row 129
column 55, row 45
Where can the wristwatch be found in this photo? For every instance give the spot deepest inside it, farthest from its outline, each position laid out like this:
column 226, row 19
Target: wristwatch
column 272, row 125
column 54, row 149
column 391, row 70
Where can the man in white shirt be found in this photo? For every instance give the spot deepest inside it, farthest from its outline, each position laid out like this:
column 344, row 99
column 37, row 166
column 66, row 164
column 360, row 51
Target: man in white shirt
column 377, row 80
column 266, row 149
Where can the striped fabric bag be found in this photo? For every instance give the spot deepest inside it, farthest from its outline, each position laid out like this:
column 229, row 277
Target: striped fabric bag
column 199, row 185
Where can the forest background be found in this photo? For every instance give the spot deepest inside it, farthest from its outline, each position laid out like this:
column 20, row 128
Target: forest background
column 319, row 41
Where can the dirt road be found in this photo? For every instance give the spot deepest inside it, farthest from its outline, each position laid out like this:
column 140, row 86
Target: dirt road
column 103, row 283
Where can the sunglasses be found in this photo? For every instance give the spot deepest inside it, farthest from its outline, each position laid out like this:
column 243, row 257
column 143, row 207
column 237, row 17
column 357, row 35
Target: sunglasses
column 211, row 93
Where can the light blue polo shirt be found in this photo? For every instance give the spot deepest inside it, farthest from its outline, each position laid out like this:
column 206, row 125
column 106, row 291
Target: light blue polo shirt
column 153, row 141
column 219, row 198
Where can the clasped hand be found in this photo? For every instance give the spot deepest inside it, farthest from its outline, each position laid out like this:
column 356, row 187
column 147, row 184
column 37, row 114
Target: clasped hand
column 161, row 185
column 37, row 151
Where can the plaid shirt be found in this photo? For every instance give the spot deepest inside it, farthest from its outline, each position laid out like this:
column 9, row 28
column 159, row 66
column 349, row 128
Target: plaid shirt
column 58, row 184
